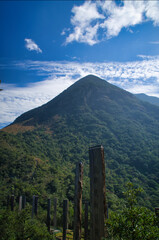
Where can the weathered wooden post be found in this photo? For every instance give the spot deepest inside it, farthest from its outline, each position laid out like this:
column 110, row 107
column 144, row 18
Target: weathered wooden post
column 20, row 203
column 65, row 217
column 157, row 211
column 36, row 206
column 33, row 207
column 55, row 213
column 86, row 221
column 48, row 213
column 78, row 202
column 8, row 202
column 12, row 203
column 97, row 193
column 107, row 212
column 23, row 201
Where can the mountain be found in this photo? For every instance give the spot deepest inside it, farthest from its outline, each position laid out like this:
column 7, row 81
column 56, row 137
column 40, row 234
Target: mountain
column 39, row 150
column 146, row 98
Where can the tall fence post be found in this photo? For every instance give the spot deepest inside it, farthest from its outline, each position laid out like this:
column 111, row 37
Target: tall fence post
column 33, row 207
column 78, row 202
column 36, row 206
column 107, row 212
column 65, row 218
column 20, row 203
column 86, row 221
column 48, row 213
column 12, row 203
column 23, row 201
column 55, row 213
column 157, row 211
column 8, row 202
column 97, row 193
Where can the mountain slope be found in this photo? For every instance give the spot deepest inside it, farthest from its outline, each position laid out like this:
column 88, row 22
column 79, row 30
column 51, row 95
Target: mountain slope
column 50, row 139
column 146, row 98
column 88, row 93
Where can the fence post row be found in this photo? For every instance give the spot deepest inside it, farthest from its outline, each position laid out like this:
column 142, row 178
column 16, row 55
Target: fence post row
column 78, row 201
column 98, row 210
column 97, row 193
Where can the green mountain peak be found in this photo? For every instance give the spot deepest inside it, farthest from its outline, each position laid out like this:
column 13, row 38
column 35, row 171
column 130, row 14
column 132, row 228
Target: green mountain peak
column 44, row 144
column 89, row 93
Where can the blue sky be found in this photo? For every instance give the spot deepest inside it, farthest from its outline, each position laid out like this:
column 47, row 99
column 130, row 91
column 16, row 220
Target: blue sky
column 45, row 46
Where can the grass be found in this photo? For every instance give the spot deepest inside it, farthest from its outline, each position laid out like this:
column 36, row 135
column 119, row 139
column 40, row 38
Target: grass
column 69, row 235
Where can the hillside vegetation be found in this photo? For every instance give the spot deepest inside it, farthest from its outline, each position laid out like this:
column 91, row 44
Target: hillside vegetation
column 38, row 151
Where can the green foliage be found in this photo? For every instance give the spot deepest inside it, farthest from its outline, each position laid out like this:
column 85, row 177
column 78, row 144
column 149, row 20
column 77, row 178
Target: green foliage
column 19, row 225
column 131, row 195
column 132, row 222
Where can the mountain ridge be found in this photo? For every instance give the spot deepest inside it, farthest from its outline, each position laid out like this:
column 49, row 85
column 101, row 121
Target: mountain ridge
column 84, row 92
column 150, row 99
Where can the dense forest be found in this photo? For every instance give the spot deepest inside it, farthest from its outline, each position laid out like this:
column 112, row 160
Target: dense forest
column 39, row 150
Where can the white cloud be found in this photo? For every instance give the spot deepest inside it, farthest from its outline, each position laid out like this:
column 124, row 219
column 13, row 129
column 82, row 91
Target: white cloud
column 137, row 77
column 152, row 9
column 109, row 18
column 83, row 17
column 129, row 14
column 31, row 45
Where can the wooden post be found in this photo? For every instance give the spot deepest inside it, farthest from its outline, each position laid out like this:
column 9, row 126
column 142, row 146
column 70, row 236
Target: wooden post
column 48, row 213
column 65, row 217
column 8, row 202
column 86, row 221
column 107, row 212
column 23, row 201
column 33, row 207
column 97, row 193
column 157, row 211
column 36, row 206
column 20, row 203
column 55, row 213
column 12, row 203
column 78, row 202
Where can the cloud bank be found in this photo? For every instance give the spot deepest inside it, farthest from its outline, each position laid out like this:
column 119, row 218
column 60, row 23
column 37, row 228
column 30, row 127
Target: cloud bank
column 31, row 45
column 108, row 18
column 140, row 76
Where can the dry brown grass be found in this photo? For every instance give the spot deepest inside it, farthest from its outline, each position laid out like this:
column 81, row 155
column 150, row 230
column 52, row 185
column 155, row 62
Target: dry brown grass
column 15, row 128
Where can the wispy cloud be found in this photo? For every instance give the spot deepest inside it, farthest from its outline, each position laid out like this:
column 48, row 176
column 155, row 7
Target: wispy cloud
column 108, row 17
column 31, row 45
column 140, row 76
column 17, row 100
column 147, row 57
column 157, row 42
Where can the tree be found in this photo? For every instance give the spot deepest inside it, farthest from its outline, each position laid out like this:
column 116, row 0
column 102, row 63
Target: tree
column 133, row 222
